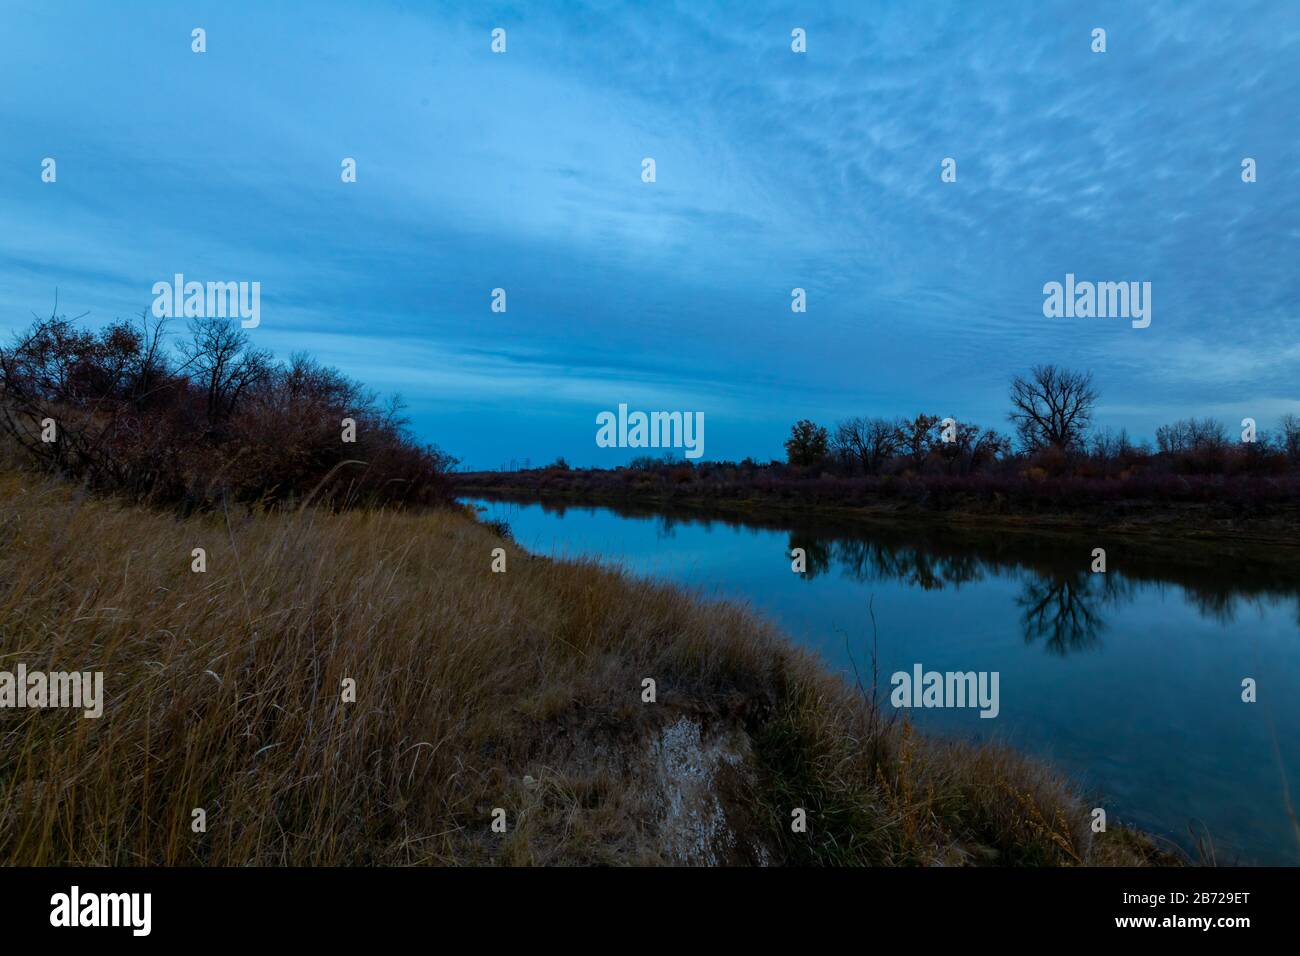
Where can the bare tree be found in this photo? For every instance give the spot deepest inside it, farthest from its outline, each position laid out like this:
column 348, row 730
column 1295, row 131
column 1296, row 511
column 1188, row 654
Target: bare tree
column 1289, row 428
column 1052, row 406
column 868, row 441
column 972, row 448
column 917, row 437
column 844, row 444
column 1191, row 434
column 218, row 358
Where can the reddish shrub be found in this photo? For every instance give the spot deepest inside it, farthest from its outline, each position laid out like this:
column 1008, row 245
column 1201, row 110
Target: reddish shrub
column 225, row 423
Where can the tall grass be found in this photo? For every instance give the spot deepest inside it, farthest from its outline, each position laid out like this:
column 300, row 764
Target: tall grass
column 475, row 690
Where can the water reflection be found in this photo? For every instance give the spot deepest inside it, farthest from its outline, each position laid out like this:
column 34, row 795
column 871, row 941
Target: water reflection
column 1061, row 612
column 1127, row 680
column 1063, row 603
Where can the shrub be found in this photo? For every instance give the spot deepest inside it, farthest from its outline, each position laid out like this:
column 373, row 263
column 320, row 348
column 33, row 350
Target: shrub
column 219, row 421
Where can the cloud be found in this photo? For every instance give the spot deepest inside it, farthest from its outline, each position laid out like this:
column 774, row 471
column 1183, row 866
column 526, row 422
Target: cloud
column 775, row 170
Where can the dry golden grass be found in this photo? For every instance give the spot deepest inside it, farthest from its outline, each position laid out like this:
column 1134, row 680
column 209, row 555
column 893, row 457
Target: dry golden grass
column 475, row 690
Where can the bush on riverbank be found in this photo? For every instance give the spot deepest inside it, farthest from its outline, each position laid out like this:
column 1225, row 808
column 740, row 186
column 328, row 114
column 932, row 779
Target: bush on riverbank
column 211, row 421
column 474, row 691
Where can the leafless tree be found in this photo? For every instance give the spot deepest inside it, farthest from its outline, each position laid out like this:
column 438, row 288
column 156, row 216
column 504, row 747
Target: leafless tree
column 1191, row 434
column 972, row 448
column 1289, row 433
column 1052, row 406
column 219, row 358
column 918, row 436
column 868, row 441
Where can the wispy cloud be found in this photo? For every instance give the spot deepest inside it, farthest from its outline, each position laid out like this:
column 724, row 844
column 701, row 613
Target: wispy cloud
column 774, row 171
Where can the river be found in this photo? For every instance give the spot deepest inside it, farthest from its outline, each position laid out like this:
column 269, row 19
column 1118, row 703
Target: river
column 1129, row 681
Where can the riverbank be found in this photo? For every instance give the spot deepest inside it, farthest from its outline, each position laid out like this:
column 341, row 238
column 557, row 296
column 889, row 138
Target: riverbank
column 363, row 688
column 1263, row 528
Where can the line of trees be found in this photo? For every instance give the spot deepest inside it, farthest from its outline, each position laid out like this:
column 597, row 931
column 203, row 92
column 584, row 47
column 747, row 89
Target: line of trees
column 214, row 419
column 872, row 446
column 1052, row 416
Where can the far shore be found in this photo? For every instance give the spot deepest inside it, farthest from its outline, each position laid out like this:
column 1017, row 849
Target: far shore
column 1207, row 530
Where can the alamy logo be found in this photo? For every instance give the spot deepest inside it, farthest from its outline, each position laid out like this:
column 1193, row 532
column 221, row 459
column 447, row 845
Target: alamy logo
column 1102, row 300
column 103, row 909
column 220, row 300
column 38, row 689
column 654, row 430
column 950, row 689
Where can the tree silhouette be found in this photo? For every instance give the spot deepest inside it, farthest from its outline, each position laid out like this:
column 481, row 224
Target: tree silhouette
column 1058, row 609
column 1052, row 407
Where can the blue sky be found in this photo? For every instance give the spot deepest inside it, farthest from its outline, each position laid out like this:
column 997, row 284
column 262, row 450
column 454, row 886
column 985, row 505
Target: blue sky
column 774, row 170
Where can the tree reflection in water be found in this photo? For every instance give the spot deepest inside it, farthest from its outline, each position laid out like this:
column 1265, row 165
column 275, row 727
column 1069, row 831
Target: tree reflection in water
column 1061, row 600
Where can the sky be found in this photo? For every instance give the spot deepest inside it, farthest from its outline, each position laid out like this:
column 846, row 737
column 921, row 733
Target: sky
column 774, row 170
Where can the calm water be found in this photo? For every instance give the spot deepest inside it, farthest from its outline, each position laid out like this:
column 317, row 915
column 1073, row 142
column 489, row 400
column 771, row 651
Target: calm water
column 1129, row 681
